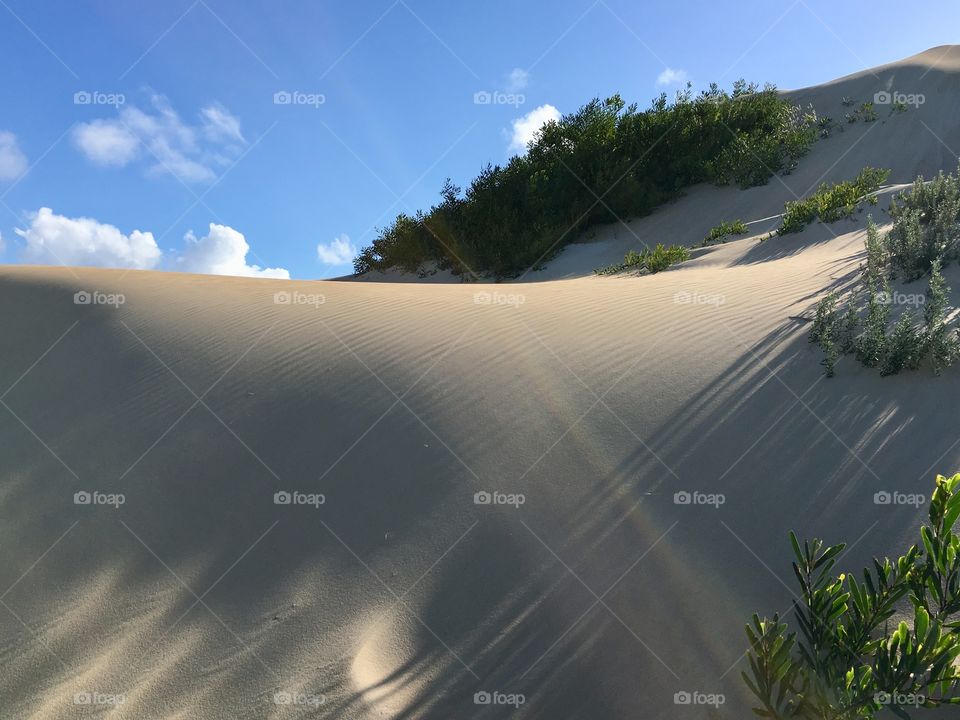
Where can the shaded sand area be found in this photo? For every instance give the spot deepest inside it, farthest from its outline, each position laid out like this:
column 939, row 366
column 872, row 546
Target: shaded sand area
column 593, row 400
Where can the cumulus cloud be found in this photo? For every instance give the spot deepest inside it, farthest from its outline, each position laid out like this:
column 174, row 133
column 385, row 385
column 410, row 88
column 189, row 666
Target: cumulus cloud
column 517, row 79
column 527, row 127
column 53, row 238
column 672, row 77
column 13, row 163
column 222, row 251
column 190, row 152
column 338, row 251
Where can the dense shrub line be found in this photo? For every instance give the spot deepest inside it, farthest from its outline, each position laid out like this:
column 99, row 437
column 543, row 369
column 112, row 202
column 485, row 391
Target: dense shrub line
column 603, row 162
column 831, row 201
column 925, row 236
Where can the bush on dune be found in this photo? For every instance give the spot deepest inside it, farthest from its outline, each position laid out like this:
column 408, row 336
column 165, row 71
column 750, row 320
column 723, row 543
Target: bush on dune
column 653, row 261
column 720, row 233
column 832, row 201
column 925, row 236
column 849, row 660
column 604, row 162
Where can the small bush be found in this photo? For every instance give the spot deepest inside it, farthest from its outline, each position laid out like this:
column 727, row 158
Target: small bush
column 926, row 226
column 721, row 232
column 832, row 201
column 849, row 660
column 660, row 258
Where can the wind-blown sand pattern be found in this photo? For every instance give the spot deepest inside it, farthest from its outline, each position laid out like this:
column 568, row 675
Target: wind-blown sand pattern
column 597, row 399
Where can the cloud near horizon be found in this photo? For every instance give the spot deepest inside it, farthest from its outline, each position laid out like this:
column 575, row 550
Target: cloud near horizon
column 222, row 251
column 53, row 238
column 192, row 153
column 669, row 76
column 526, row 128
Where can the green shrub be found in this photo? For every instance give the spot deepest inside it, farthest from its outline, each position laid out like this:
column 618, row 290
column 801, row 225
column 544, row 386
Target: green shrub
column 832, row 201
column 926, row 226
column 660, row 258
column 510, row 217
column 849, row 661
column 908, row 344
column 719, row 233
column 904, row 348
column 943, row 345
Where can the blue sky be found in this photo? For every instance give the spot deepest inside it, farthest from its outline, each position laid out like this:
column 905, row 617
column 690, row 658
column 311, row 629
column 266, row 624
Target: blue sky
column 203, row 157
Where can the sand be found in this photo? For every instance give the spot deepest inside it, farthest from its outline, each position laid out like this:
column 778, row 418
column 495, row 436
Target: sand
column 595, row 399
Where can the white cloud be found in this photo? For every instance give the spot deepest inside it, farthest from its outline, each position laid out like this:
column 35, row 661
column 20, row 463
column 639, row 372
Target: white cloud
column 53, row 238
column 219, row 124
column 3, row 245
column 13, row 163
column 672, row 77
column 105, row 142
column 338, row 251
column 191, row 153
column 517, row 79
column 222, row 251
column 527, row 127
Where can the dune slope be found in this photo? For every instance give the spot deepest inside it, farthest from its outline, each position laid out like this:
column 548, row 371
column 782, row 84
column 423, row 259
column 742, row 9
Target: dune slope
column 388, row 412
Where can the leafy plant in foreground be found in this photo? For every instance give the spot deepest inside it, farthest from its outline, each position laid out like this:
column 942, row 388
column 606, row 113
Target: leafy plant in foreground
column 849, row 661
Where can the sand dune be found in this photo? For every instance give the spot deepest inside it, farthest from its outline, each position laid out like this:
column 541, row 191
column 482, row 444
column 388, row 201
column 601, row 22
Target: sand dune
column 596, row 399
